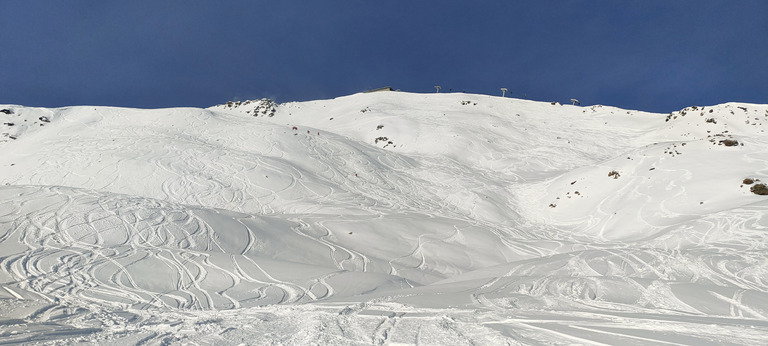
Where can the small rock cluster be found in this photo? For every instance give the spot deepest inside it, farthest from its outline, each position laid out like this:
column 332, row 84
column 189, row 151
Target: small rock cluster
column 758, row 189
column 261, row 107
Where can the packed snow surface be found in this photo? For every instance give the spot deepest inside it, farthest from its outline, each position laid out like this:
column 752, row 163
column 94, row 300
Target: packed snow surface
column 384, row 218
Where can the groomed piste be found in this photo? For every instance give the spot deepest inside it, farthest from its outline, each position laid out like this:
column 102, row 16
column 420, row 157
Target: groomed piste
column 384, row 218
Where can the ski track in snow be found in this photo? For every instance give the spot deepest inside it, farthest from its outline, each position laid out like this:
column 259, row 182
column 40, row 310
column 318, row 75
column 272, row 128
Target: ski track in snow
column 182, row 226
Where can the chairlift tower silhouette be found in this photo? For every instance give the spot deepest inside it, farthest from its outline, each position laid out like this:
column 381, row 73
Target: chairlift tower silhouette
column 503, row 92
column 437, row 87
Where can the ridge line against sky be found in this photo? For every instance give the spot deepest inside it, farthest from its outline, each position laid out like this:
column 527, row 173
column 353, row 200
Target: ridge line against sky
column 649, row 55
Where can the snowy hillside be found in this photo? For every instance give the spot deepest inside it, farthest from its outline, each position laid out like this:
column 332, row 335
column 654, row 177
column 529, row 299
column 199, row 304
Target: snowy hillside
column 384, row 218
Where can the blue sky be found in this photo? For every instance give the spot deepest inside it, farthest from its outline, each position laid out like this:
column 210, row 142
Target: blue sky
column 650, row 55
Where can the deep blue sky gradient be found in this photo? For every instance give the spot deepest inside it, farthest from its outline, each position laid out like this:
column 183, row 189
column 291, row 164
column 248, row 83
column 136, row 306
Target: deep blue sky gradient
column 654, row 55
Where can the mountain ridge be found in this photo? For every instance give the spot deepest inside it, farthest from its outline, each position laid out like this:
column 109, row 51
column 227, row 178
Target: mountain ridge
column 391, row 215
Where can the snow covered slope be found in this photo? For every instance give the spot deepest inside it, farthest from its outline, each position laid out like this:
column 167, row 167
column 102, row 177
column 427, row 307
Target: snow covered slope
column 384, row 218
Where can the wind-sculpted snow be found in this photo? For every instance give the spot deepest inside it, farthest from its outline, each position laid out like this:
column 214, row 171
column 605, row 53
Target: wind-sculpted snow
column 384, row 218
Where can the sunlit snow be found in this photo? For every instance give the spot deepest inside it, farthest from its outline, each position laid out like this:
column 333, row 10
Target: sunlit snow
column 384, row 218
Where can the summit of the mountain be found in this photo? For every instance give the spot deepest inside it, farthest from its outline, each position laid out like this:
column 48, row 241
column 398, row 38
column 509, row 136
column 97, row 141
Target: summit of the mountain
column 449, row 217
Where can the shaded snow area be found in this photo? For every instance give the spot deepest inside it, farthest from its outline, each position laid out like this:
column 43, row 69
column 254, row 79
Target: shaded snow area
column 384, row 218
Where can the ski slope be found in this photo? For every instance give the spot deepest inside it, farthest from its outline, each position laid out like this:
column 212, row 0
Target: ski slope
column 384, row 218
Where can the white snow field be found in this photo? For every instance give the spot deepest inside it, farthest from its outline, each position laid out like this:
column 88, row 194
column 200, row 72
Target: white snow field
column 384, row 218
